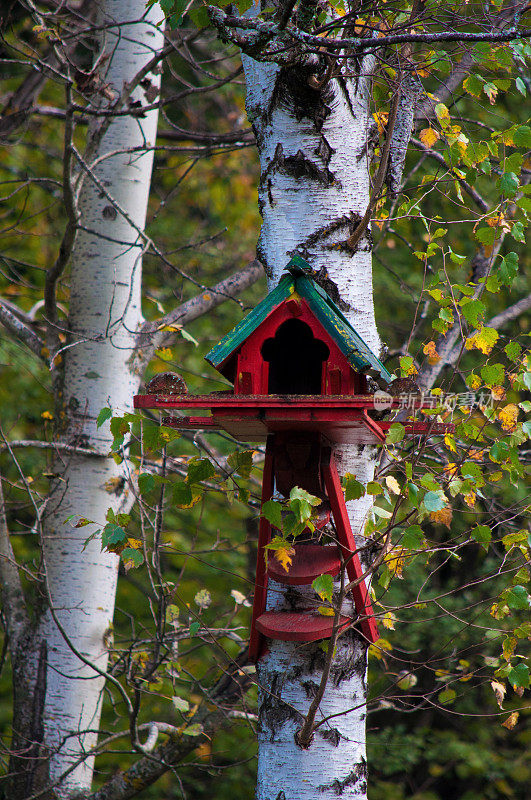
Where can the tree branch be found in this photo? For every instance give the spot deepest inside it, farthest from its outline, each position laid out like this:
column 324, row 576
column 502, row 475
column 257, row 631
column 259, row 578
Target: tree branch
column 69, row 237
column 510, row 313
column 17, row 328
column 262, row 33
column 152, row 335
column 13, row 600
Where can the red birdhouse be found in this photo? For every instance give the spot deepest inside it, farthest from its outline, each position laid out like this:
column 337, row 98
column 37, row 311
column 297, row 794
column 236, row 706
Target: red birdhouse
column 299, row 373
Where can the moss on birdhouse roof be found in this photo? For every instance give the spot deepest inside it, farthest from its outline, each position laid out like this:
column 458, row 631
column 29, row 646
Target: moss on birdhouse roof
column 297, row 278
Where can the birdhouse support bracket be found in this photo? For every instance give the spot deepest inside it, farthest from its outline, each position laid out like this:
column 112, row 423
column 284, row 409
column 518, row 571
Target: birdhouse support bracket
column 304, row 626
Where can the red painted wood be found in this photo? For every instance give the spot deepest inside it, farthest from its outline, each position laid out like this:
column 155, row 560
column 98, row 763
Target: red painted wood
column 347, row 543
column 309, row 561
column 292, row 626
column 264, row 536
column 231, row 402
column 250, row 355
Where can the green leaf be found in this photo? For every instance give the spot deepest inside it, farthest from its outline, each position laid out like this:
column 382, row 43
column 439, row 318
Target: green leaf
column 132, row 557
column 413, row 538
column 522, row 136
column 353, row 488
column 434, row 501
column 146, row 483
column 113, row 534
column 493, row 374
column 518, row 676
column 180, row 704
column 103, row 416
column 193, row 730
column 508, row 268
column 518, row 232
column 374, row 488
column 472, row 310
column 513, row 350
column 486, row 235
column 182, row 495
column 272, row 511
column 395, row 433
column 194, row 627
column 509, row 184
column 199, row 469
column 241, row 462
column 188, row 337
column 482, row 535
column 473, row 85
column 517, row 598
column 324, row 586
column 203, row 599
column 447, row 696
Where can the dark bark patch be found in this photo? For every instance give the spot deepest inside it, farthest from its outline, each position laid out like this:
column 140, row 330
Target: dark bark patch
column 311, row 688
column 357, row 776
column 295, row 92
column 352, row 663
column 274, row 712
column 331, row 735
column 109, row 212
column 347, row 224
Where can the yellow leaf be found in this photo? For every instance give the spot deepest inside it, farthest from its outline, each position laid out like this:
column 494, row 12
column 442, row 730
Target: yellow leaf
column 497, row 392
column 165, row 353
column 395, row 561
column 442, row 517
column 46, row 415
column 474, row 382
column 430, row 351
column 381, row 118
column 284, row 556
column 508, row 415
column 451, row 468
column 379, row 649
column 136, row 544
column 326, row 611
column 450, row 443
column 483, row 340
column 429, row 136
column 470, row 499
column 392, row 484
column 388, row 620
column 511, row 721
column 412, row 370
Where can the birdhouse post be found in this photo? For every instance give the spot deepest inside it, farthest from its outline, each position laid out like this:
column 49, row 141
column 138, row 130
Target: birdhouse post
column 299, row 371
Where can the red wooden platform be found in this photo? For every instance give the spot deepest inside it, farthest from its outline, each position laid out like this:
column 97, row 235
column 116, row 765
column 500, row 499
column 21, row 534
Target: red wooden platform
column 309, row 561
column 298, row 626
column 250, row 418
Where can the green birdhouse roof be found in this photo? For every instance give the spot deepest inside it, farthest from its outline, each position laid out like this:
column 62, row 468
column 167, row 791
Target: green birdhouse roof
column 298, row 278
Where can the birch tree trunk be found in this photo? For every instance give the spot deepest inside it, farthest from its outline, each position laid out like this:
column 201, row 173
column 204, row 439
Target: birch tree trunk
column 312, row 133
column 104, row 314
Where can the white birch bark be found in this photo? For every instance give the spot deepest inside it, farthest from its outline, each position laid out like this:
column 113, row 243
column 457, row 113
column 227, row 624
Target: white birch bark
column 105, row 312
column 314, row 188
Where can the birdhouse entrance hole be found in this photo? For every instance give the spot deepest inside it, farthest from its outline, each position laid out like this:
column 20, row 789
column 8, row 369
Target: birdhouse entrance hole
column 295, row 359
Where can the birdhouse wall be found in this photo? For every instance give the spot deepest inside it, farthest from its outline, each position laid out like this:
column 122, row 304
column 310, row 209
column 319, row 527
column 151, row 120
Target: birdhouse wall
column 308, row 367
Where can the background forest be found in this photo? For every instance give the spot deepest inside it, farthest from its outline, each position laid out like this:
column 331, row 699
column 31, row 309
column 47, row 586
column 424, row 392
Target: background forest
column 447, row 718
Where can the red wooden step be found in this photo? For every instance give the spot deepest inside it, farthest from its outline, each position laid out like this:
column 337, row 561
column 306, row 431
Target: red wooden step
column 298, row 626
column 309, row 561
